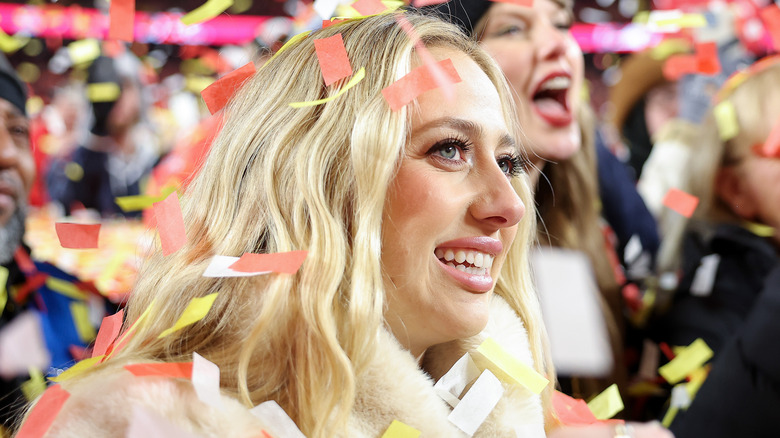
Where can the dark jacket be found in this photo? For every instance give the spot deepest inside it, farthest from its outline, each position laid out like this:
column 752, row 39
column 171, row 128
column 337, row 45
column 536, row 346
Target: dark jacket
column 741, row 396
column 50, row 294
column 745, row 262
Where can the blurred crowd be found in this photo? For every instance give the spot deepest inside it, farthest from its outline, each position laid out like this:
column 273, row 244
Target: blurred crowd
column 695, row 117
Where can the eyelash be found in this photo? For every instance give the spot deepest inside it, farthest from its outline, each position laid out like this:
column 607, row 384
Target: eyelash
column 464, row 145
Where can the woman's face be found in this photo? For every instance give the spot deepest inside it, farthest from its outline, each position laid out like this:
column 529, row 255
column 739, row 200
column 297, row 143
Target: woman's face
column 544, row 66
column 451, row 213
column 759, row 191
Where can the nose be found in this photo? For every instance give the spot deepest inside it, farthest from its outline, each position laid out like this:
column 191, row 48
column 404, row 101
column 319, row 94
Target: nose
column 497, row 205
column 549, row 40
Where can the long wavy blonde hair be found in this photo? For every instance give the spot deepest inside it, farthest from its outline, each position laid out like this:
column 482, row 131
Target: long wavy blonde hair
column 280, row 179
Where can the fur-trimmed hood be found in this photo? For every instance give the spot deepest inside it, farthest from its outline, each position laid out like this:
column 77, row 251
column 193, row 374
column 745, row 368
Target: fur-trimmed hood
column 394, row 387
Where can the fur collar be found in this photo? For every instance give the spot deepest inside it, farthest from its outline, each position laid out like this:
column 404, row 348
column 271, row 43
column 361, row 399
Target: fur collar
column 395, row 388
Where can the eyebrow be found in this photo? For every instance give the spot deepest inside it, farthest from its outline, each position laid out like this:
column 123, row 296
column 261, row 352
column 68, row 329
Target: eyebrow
column 467, row 127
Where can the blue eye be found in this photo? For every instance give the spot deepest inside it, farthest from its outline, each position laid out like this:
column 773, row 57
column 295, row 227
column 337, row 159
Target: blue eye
column 449, row 152
column 511, row 165
column 450, row 149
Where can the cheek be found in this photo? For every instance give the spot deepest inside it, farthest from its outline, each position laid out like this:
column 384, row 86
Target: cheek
column 27, row 171
column 516, row 63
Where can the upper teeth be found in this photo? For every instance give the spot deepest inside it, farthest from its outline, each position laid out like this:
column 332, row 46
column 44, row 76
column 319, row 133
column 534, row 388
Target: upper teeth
column 556, row 83
column 476, row 258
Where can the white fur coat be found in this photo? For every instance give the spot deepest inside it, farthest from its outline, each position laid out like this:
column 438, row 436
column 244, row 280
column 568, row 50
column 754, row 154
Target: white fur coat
column 394, row 388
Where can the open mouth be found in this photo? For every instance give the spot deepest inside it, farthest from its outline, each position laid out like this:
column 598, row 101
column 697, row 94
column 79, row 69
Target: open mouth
column 550, row 100
column 466, row 260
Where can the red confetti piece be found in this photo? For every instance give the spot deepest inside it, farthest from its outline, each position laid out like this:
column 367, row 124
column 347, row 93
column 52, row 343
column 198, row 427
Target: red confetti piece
column 122, row 18
column 77, row 236
column 174, row 370
column 681, row 202
column 333, row 58
column 770, row 15
column 170, row 224
column 771, row 147
column 43, row 414
column 218, row 94
column 24, row 261
column 403, row 91
column 281, row 262
column 572, row 411
column 108, row 332
column 704, row 61
column 369, row 7
column 33, row 283
column 328, row 23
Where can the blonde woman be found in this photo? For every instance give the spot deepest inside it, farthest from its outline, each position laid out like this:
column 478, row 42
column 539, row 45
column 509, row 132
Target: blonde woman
column 544, row 66
column 391, row 207
column 727, row 295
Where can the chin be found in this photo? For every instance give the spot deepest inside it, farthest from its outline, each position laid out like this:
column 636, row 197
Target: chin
column 559, row 147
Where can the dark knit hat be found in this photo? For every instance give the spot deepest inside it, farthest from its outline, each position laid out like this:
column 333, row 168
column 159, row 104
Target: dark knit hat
column 11, row 88
column 465, row 13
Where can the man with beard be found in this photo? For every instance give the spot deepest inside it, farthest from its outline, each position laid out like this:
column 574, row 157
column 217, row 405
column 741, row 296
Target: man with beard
column 47, row 317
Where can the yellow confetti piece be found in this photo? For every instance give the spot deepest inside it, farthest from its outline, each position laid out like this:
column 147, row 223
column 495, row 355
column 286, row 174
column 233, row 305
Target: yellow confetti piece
column 347, row 11
column 35, row 386
column 641, row 17
column 669, row 416
column 490, row 355
column 206, row 11
column 194, row 312
column 80, row 313
column 759, row 229
column 10, row 44
column 66, row 288
column 289, row 43
column 669, row 47
column 605, row 405
column 398, row 429
column 697, row 378
column 77, row 369
column 693, row 357
column 684, row 21
column 357, row 77
column 84, row 51
column 132, row 328
column 196, row 84
column 3, row 291
column 726, row 119
column 103, row 92
column 142, row 202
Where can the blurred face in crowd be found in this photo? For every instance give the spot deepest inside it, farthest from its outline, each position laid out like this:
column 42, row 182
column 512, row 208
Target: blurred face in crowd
column 127, row 109
column 661, row 105
column 17, row 171
column 17, row 168
column 451, row 213
column 752, row 189
column 544, row 65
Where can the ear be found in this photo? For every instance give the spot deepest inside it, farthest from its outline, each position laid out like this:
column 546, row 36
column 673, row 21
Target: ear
column 731, row 188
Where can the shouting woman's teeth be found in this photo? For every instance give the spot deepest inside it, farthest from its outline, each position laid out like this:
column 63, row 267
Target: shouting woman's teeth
column 465, row 260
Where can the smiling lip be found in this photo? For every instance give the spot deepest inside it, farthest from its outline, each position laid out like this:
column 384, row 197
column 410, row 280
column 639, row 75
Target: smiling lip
column 557, row 116
column 472, row 282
